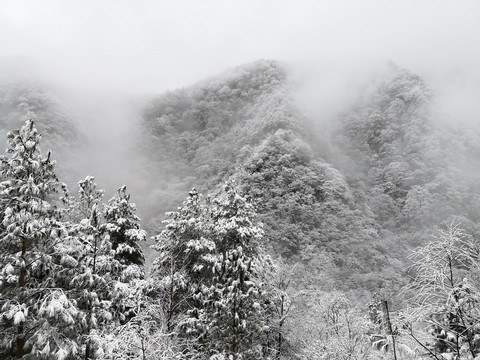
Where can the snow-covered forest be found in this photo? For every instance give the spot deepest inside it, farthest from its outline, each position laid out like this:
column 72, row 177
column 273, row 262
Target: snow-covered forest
column 279, row 243
column 254, row 209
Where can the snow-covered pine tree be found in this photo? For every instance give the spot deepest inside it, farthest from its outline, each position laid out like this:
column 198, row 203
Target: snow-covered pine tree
column 122, row 225
column 104, row 241
column 96, row 283
column 185, row 257
column 228, row 314
column 36, row 317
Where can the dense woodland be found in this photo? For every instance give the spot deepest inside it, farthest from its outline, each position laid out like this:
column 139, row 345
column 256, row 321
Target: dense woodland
column 282, row 238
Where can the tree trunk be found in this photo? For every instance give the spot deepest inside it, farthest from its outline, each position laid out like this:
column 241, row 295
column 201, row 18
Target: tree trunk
column 171, row 299
column 280, row 324
column 21, row 284
column 20, row 342
column 87, row 350
column 390, row 328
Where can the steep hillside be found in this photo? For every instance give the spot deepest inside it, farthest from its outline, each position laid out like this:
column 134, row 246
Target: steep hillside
column 19, row 102
column 351, row 214
column 200, row 136
column 245, row 126
column 410, row 165
column 22, row 101
column 210, row 124
column 388, row 134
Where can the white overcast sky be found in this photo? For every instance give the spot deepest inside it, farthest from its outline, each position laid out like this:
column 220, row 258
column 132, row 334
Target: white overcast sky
column 151, row 46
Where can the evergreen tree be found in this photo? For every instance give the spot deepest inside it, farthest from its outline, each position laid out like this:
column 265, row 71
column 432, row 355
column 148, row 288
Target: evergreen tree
column 100, row 282
column 209, row 262
column 36, row 317
column 185, row 257
column 122, row 225
column 230, row 308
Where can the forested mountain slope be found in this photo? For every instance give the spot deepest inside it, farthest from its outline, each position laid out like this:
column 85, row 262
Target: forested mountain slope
column 410, row 166
column 351, row 214
column 21, row 101
column 199, row 136
column 245, row 125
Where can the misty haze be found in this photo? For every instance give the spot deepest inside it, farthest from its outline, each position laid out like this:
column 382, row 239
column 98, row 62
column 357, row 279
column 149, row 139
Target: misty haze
column 239, row 180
